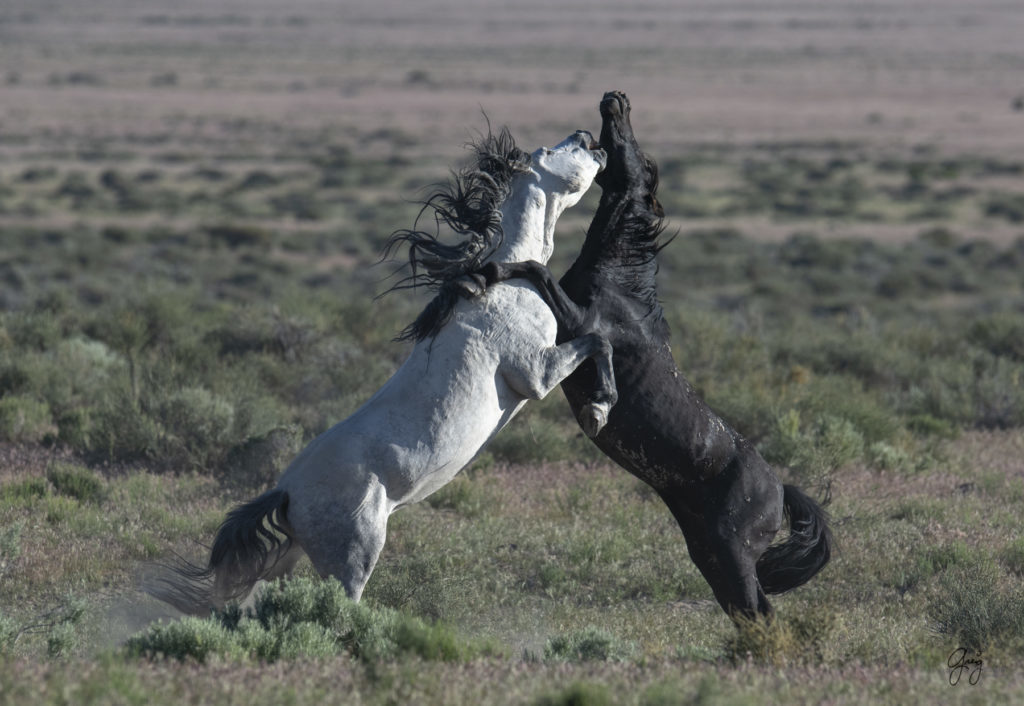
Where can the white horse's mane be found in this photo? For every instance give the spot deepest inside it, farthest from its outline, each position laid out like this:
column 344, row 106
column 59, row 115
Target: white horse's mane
column 467, row 204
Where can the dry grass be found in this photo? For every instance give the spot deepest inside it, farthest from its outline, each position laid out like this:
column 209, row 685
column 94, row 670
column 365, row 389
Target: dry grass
column 858, row 632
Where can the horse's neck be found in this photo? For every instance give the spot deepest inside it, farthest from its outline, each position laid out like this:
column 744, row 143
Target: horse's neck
column 528, row 219
column 608, row 254
column 599, row 249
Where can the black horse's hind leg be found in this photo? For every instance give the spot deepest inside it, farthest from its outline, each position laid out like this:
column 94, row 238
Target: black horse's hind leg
column 740, row 594
column 728, row 581
column 728, row 567
column 729, row 528
column 747, row 518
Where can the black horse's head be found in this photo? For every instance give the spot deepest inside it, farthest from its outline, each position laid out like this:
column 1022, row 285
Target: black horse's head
column 629, row 170
column 624, row 237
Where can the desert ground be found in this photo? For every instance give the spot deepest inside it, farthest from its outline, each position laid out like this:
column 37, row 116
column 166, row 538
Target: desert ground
column 193, row 201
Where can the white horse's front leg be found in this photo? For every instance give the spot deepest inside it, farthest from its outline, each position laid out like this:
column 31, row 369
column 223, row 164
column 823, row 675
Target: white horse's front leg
column 534, row 375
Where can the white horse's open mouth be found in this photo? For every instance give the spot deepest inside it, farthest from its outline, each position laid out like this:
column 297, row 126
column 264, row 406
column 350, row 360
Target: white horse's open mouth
column 588, row 141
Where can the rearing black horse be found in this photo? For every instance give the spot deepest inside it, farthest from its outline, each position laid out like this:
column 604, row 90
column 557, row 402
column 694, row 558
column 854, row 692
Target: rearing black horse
column 725, row 497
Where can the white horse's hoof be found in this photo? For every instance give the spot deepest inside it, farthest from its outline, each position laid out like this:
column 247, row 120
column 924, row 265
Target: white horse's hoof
column 593, row 417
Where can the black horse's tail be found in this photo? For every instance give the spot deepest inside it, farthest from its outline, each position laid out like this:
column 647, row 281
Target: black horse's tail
column 805, row 552
column 247, row 548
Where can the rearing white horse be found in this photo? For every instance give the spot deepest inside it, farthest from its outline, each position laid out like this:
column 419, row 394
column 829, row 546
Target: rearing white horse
column 475, row 364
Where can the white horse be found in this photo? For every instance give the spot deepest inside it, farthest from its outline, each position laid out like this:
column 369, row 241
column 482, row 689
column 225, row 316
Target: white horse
column 476, row 363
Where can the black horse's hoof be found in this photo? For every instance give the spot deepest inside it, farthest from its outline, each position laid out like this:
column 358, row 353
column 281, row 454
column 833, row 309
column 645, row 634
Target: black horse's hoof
column 593, row 418
column 614, row 104
column 470, row 286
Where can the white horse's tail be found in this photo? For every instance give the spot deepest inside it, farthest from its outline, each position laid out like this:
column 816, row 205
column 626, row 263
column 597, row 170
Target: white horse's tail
column 244, row 551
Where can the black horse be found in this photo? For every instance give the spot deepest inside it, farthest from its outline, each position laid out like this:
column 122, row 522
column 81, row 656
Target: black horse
column 725, row 497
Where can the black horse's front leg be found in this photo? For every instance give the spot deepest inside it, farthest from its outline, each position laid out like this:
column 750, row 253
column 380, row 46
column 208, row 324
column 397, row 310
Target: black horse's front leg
column 572, row 320
column 570, row 316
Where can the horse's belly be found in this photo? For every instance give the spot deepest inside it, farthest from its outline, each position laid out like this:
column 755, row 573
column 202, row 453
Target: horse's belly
column 659, row 430
column 437, row 412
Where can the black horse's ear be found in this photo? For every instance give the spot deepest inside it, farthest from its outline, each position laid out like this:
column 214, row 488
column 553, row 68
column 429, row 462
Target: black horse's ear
column 655, row 206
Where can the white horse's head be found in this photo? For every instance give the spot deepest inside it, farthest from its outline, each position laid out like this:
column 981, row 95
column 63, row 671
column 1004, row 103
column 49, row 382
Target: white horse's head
column 504, row 208
column 567, row 170
column 558, row 178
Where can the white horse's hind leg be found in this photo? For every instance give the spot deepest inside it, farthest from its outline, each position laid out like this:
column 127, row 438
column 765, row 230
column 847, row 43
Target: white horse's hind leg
column 345, row 543
column 535, row 374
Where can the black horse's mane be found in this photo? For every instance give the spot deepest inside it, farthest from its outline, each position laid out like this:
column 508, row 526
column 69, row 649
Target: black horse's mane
column 632, row 238
column 466, row 204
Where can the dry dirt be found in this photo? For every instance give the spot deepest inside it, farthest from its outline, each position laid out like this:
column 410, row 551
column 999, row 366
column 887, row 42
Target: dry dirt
column 889, row 75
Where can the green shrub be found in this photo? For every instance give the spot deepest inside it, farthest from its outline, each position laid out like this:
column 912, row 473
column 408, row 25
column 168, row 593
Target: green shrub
column 841, row 397
column 123, row 432
column 33, row 330
column 927, row 425
column 809, row 636
column 25, row 420
column 817, row 632
column 235, row 236
column 304, row 618
column 259, row 460
column 1001, row 334
column 998, row 393
column 9, row 633
column 59, row 626
column 61, row 640
column 888, row 457
column 1007, row 206
column 977, row 611
column 25, row 490
column 923, row 564
column 975, row 389
column 76, row 482
column 763, row 641
column 74, row 427
column 418, row 584
column 198, row 426
column 188, row 638
column 10, row 549
column 1012, row 556
column 527, row 440
column 814, row 452
column 301, row 205
column 71, row 378
column 588, row 645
